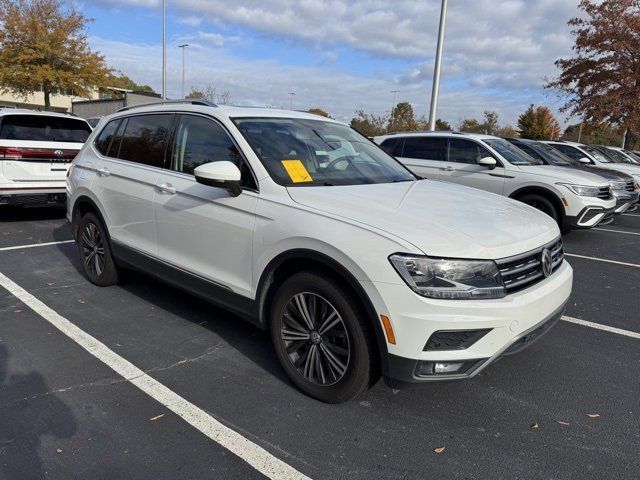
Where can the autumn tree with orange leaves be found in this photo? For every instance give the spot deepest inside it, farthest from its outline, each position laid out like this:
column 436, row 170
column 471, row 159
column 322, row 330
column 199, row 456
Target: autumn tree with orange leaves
column 538, row 123
column 601, row 82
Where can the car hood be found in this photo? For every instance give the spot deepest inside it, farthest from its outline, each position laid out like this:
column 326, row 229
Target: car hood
column 628, row 168
column 603, row 172
column 565, row 174
column 440, row 219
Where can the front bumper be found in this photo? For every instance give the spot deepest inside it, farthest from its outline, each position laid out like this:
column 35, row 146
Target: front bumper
column 588, row 212
column 625, row 201
column 510, row 323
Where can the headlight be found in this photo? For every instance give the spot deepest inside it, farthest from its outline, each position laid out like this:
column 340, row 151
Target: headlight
column 583, row 190
column 450, row 279
column 617, row 185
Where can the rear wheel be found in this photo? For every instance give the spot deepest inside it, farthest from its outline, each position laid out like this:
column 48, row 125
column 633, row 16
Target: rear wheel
column 321, row 338
column 543, row 204
column 95, row 252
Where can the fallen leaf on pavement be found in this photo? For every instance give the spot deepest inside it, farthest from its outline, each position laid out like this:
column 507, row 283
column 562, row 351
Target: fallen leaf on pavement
column 535, row 425
column 563, row 423
column 156, row 417
column 439, row 449
column 59, row 450
column 593, row 415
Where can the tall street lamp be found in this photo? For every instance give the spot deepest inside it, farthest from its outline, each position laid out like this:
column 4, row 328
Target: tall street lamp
column 164, row 49
column 436, row 71
column 183, row 47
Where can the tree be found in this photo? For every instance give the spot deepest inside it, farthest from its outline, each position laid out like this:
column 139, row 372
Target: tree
column 490, row 124
column 319, row 111
column 443, row 125
column 471, row 125
column 402, row 118
column 210, row 93
column 506, row 131
column 123, row 81
column 43, row 46
column 538, row 124
column 369, row 124
column 601, row 82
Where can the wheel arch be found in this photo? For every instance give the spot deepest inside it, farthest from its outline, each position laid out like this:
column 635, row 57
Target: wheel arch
column 543, row 192
column 297, row 260
column 82, row 205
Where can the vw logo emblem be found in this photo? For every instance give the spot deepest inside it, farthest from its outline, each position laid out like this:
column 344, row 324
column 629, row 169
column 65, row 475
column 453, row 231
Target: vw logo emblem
column 59, row 153
column 547, row 262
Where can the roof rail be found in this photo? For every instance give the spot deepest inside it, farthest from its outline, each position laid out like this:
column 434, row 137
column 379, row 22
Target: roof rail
column 190, row 101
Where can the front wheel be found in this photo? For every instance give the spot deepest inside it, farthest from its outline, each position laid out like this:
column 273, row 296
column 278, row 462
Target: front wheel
column 543, row 204
column 321, row 338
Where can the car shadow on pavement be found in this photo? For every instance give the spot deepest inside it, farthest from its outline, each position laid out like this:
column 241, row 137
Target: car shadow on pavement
column 28, row 411
column 252, row 342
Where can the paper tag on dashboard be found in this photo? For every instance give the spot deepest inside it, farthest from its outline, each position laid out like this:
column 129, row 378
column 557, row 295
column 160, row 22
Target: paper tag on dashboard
column 297, row 171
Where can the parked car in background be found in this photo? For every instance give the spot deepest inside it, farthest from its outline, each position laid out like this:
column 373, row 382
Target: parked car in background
column 573, row 198
column 623, row 186
column 628, row 155
column 36, row 149
column 601, row 157
column 304, row 227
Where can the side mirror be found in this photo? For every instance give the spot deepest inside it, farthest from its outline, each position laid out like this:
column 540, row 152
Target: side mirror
column 488, row 162
column 220, row 174
column 585, row 160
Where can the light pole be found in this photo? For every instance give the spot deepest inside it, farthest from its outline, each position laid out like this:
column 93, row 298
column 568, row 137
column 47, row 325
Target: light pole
column 436, row 70
column 393, row 108
column 164, row 49
column 291, row 94
column 183, row 47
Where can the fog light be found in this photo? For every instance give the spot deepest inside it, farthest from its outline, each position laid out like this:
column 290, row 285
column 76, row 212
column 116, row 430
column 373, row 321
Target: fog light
column 433, row 369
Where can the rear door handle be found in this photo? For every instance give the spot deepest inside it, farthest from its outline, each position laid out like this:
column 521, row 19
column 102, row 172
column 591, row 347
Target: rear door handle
column 103, row 172
column 448, row 168
column 166, row 188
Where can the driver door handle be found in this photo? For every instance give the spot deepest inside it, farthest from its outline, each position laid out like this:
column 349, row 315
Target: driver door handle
column 166, row 188
column 103, row 172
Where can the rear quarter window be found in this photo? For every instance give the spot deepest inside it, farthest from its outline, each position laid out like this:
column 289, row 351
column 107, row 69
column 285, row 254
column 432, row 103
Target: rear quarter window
column 41, row 128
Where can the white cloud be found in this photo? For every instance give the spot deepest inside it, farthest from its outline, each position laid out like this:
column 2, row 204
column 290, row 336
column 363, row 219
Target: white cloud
column 497, row 52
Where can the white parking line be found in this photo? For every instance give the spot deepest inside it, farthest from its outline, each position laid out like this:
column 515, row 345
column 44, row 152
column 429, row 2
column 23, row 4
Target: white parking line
column 602, row 260
column 631, row 214
column 615, row 231
column 254, row 455
column 598, row 326
column 33, row 245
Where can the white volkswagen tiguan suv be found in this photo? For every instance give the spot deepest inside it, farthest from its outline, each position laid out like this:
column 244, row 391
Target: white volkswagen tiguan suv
column 573, row 198
column 36, row 149
column 306, row 228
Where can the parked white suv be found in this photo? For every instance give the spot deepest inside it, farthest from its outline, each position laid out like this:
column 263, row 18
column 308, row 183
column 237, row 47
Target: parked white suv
column 574, row 199
column 306, row 228
column 36, row 149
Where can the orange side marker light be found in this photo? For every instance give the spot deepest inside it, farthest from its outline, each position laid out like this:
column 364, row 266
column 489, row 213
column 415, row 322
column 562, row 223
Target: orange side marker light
column 391, row 338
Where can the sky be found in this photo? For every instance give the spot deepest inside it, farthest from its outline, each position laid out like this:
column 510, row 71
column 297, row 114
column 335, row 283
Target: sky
column 344, row 55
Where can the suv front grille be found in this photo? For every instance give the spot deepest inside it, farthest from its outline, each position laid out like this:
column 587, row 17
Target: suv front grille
column 631, row 186
column 524, row 270
column 604, row 193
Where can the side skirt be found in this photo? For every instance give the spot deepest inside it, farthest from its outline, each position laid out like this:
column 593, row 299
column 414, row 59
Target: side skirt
column 217, row 294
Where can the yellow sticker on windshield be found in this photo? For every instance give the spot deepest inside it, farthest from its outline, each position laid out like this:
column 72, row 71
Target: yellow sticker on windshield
column 297, row 171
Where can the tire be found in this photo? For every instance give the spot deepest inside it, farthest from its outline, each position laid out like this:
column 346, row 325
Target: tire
column 346, row 338
column 543, row 204
column 95, row 252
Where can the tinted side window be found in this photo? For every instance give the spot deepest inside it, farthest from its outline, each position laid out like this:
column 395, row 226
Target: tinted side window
column 466, row 151
column 200, row 140
column 393, row 146
column 530, row 151
column 103, row 142
column 425, row 148
column 569, row 151
column 145, row 138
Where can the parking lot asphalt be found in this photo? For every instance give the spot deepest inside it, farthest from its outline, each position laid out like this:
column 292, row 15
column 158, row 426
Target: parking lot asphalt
column 65, row 414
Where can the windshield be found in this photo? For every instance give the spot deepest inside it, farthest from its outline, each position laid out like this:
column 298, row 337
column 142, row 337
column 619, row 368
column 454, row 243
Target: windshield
column 598, row 155
column 551, row 156
column 300, row 152
column 42, row 128
column 511, row 153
